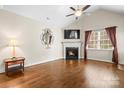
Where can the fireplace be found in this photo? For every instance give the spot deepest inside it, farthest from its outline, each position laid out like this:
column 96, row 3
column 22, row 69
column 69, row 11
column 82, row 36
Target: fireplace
column 71, row 52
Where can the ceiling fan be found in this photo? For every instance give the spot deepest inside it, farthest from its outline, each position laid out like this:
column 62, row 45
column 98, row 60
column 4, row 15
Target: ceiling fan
column 78, row 11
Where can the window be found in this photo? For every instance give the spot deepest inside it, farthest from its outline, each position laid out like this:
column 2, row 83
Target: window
column 99, row 40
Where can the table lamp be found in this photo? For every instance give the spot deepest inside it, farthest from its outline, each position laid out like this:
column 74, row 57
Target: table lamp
column 13, row 44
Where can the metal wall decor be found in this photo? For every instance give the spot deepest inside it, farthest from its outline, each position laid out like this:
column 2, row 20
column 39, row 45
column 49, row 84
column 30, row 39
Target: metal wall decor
column 47, row 38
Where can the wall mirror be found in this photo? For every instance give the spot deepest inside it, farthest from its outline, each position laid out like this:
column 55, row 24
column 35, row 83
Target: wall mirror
column 47, row 38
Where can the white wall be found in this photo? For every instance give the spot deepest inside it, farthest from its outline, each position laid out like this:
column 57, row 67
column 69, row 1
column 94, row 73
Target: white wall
column 27, row 32
column 102, row 19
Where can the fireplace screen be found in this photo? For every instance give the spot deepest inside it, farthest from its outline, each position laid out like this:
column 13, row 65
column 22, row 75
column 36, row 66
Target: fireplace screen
column 71, row 53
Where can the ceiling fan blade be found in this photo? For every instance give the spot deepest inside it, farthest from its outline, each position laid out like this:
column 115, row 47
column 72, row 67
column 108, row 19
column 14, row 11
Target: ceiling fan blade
column 69, row 15
column 86, row 7
column 73, row 8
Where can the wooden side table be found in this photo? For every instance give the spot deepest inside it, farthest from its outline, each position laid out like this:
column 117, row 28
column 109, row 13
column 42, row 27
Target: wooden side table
column 10, row 62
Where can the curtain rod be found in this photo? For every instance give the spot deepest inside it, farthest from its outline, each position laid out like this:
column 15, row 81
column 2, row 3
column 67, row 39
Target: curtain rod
column 102, row 28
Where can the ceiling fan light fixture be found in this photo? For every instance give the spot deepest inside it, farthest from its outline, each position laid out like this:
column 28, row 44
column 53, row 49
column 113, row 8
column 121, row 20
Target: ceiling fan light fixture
column 78, row 13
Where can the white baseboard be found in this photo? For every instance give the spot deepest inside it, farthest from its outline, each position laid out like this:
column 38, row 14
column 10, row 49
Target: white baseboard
column 44, row 61
column 109, row 61
column 99, row 60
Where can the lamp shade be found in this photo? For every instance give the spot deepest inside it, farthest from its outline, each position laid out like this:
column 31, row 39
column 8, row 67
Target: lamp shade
column 13, row 43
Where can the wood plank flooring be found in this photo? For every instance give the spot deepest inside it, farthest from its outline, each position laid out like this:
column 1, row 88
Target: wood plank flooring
column 66, row 74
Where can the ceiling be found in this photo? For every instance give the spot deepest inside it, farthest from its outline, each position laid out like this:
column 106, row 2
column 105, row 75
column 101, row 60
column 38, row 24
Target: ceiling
column 54, row 15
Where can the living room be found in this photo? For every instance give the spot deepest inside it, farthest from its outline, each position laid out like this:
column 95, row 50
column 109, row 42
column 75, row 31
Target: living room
column 61, row 47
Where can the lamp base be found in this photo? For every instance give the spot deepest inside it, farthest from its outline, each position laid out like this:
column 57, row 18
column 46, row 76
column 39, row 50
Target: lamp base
column 13, row 58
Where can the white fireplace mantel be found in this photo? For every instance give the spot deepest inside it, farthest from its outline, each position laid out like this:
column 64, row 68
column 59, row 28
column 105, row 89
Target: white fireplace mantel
column 77, row 44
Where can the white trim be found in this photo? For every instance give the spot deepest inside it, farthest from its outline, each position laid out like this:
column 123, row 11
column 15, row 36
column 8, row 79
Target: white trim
column 39, row 62
column 109, row 61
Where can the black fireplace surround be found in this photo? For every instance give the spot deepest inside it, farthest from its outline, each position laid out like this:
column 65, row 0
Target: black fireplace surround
column 71, row 52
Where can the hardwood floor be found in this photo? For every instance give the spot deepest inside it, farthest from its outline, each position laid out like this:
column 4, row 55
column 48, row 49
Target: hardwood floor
column 66, row 74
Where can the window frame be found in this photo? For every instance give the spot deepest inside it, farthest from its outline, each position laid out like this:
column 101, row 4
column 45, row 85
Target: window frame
column 98, row 42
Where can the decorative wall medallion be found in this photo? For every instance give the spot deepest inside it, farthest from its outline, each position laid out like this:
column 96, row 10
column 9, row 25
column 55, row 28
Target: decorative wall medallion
column 47, row 38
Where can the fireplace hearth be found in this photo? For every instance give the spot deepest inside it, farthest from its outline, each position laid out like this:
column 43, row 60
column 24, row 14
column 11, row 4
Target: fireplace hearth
column 71, row 52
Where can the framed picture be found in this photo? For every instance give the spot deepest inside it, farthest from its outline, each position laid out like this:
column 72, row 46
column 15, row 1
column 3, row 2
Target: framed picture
column 72, row 34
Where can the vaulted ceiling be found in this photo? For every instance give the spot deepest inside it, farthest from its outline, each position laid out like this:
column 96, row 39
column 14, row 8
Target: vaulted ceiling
column 54, row 15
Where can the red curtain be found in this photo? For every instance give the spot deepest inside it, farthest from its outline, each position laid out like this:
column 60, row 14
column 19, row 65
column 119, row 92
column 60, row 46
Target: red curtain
column 111, row 31
column 87, row 36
